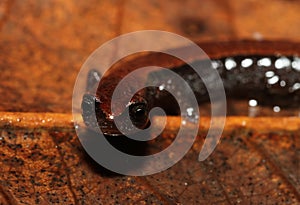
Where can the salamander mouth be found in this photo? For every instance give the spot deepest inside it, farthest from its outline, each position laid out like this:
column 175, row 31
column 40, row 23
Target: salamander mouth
column 109, row 128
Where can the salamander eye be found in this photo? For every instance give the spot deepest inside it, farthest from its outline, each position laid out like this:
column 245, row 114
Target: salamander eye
column 138, row 114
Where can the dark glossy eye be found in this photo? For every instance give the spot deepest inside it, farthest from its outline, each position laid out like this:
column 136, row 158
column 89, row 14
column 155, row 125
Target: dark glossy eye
column 138, row 111
column 139, row 114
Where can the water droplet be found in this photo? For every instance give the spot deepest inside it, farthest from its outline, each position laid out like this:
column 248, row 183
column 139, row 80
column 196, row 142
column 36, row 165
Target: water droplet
column 282, row 62
column 266, row 62
column 230, row 63
column 247, row 62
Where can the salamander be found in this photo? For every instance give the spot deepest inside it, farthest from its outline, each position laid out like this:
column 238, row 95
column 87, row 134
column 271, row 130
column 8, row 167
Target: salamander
column 266, row 71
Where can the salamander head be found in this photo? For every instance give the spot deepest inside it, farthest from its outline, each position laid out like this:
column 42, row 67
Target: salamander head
column 137, row 109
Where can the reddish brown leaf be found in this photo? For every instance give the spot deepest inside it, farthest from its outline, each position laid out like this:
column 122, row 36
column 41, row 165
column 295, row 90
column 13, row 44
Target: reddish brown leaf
column 44, row 43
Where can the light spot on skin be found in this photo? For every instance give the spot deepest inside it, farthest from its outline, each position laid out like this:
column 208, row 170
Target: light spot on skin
column 269, row 74
column 273, row 80
column 282, row 62
column 276, row 109
column 247, row 62
column 282, row 83
column 161, row 87
column 265, row 62
column 190, row 111
column 230, row 63
column 252, row 103
column 253, row 109
column 216, row 64
column 296, row 86
column 296, row 63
